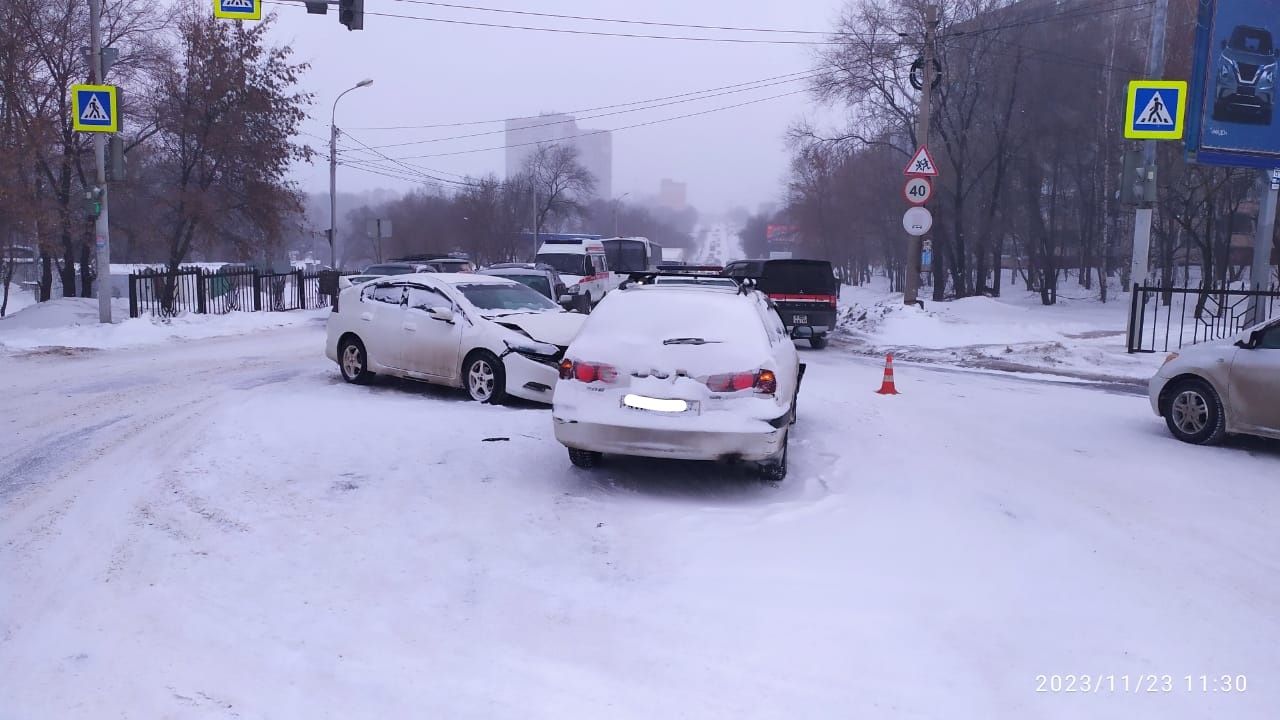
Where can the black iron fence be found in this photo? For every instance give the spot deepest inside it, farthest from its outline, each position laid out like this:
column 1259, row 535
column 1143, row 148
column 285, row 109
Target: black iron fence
column 166, row 293
column 1167, row 318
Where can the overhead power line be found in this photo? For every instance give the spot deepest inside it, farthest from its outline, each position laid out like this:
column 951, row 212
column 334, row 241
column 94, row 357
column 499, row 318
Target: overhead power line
column 617, row 129
column 589, row 117
column 413, row 169
column 651, row 23
column 591, row 109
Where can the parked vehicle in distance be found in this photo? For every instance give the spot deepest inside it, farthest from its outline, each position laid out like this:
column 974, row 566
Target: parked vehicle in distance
column 582, row 263
column 346, row 281
column 397, row 268
column 1205, row 392
column 1246, row 75
column 542, row 278
column 632, row 254
column 680, row 372
column 441, row 263
column 806, row 293
column 491, row 336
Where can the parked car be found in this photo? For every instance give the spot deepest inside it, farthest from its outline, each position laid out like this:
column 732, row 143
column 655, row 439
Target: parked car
column 346, row 281
column 491, row 336
column 582, row 263
column 1246, row 75
column 397, row 268
column 681, row 372
column 441, row 263
column 539, row 276
column 1205, row 392
column 806, row 292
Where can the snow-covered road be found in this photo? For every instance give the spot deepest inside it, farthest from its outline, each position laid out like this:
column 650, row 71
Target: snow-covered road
column 223, row 529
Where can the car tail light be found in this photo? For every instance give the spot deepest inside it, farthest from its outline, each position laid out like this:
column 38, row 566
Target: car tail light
column 764, row 382
column 588, row 372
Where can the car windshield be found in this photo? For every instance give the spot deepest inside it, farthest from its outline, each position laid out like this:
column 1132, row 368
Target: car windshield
column 1250, row 39
column 567, row 263
column 512, row 297
column 625, row 256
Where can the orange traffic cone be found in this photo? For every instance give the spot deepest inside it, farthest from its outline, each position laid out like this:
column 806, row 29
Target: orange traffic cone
column 887, row 387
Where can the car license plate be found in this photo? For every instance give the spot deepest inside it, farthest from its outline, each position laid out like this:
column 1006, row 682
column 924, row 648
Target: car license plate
column 640, row 402
column 800, row 319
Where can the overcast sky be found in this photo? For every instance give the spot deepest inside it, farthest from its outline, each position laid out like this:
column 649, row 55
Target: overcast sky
column 431, row 73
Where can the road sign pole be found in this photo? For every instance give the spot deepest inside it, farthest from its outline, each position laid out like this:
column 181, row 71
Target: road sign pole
column 911, row 291
column 1260, row 273
column 101, row 230
column 1142, row 220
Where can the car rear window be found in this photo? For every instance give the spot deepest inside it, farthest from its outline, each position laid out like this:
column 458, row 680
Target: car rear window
column 798, row 276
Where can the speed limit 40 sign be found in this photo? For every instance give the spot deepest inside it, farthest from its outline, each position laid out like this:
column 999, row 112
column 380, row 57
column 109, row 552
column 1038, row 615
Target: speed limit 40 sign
column 918, row 190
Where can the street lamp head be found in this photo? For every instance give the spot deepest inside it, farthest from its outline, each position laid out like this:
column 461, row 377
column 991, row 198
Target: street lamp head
column 365, row 83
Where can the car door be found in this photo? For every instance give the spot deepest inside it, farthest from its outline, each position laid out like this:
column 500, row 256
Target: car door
column 431, row 344
column 381, row 315
column 1255, row 384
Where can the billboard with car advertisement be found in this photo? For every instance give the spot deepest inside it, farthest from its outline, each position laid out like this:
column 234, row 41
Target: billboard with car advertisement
column 1232, row 116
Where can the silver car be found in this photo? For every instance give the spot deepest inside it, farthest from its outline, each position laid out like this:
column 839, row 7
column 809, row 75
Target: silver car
column 1207, row 391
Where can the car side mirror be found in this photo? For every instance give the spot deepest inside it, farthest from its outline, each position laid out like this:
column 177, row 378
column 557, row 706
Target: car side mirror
column 442, row 314
column 1250, row 342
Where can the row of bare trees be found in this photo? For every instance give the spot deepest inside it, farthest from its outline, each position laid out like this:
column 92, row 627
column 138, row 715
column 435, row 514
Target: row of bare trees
column 1026, row 130
column 210, row 110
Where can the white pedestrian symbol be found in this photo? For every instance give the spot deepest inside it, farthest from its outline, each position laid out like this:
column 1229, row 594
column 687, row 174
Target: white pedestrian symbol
column 1156, row 112
column 93, row 111
column 237, row 5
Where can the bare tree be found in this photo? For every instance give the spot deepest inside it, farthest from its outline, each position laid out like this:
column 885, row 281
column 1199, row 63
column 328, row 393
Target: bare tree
column 559, row 182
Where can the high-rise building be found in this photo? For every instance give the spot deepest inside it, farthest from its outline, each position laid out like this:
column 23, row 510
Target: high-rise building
column 673, row 195
column 595, row 147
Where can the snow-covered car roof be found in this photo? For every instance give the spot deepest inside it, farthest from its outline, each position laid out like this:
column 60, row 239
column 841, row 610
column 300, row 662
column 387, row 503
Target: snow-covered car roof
column 646, row 316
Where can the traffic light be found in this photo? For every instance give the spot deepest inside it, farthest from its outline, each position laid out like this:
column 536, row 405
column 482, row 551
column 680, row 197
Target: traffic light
column 1137, row 182
column 351, row 14
column 92, row 203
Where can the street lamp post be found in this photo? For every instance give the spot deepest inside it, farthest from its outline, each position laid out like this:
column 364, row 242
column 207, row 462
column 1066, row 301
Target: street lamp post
column 616, row 202
column 333, row 173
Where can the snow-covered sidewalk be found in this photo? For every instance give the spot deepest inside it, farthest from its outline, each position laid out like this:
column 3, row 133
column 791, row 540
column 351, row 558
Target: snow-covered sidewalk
column 1079, row 338
column 73, row 323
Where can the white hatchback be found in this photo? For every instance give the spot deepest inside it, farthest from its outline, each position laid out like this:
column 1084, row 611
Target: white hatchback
column 683, row 372
column 491, row 336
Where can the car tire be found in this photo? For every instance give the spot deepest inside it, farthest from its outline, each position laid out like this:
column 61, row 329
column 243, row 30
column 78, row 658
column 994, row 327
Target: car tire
column 775, row 470
column 583, row 304
column 585, row 459
column 485, row 378
column 1194, row 413
column 353, row 361
column 817, row 342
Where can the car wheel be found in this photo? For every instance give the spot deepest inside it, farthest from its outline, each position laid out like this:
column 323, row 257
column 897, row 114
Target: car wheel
column 775, row 470
column 583, row 304
column 817, row 342
column 485, row 378
column 1194, row 413
column 353, row 360
column 584, row 458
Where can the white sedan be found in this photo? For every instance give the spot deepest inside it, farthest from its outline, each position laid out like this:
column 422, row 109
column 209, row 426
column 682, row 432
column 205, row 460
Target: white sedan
column 680, row 371
column 488, row 335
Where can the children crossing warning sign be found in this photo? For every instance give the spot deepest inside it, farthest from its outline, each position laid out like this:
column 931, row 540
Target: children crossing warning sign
column 1156, row 109
column 94, row 108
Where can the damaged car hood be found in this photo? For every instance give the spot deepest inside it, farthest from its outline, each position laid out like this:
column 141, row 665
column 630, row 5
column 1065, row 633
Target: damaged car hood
column 556, row 328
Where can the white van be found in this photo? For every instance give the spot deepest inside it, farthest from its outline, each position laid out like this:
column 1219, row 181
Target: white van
column 583, row 266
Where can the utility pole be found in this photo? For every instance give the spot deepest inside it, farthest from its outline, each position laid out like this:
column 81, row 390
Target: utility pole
column 1142, row 219
column 1260, row 273
column 101, row 229
column 911, row 291
column 616, row 202
column 535, row 226
column 333, row 173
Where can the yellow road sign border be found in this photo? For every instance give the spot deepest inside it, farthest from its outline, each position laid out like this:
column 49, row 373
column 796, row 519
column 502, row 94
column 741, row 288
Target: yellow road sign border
column 255, row 14
column 1179, row 121
column 112, row 92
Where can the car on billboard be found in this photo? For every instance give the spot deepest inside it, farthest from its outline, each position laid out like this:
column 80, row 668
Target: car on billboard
column 1245, row 81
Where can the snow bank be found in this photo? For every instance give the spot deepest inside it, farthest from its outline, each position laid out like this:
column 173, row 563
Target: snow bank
column 1078, row 337
column 73, row 322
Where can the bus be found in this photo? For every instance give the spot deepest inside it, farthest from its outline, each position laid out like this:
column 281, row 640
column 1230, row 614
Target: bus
column 632, row 254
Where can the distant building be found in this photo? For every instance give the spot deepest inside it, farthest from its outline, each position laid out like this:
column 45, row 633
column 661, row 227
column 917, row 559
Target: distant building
column 595, row 147
column 673, row 195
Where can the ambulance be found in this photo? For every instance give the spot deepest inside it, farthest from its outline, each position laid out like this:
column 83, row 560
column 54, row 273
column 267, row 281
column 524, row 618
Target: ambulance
column 583, row 265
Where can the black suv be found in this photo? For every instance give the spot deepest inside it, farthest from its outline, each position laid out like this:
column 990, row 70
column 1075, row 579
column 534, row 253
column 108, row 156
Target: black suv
column 805, row 292
column 1246, row 75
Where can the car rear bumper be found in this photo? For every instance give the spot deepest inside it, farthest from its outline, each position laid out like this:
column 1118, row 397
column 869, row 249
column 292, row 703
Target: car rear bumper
column 675, row 444
column 820, row 320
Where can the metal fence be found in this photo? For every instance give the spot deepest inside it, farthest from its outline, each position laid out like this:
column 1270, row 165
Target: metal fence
column 1167, row 318
column 166, row 293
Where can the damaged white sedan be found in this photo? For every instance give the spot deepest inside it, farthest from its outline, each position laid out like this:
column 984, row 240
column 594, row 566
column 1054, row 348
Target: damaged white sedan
column 683, row 372
column 491, row 336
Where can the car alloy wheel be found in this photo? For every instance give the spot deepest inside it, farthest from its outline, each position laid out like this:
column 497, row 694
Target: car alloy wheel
column 1190, row 412
column 1194, row 413
column 353, row 362
column 485, row 378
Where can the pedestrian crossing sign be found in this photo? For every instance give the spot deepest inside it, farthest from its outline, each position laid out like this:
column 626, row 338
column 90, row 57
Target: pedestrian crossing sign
column 94, row 108
column 237, row 9
column 1156, row 109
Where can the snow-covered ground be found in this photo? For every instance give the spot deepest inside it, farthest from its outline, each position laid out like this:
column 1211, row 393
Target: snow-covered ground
column 223, row 529
column 1080, row 337
column 73, row 323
